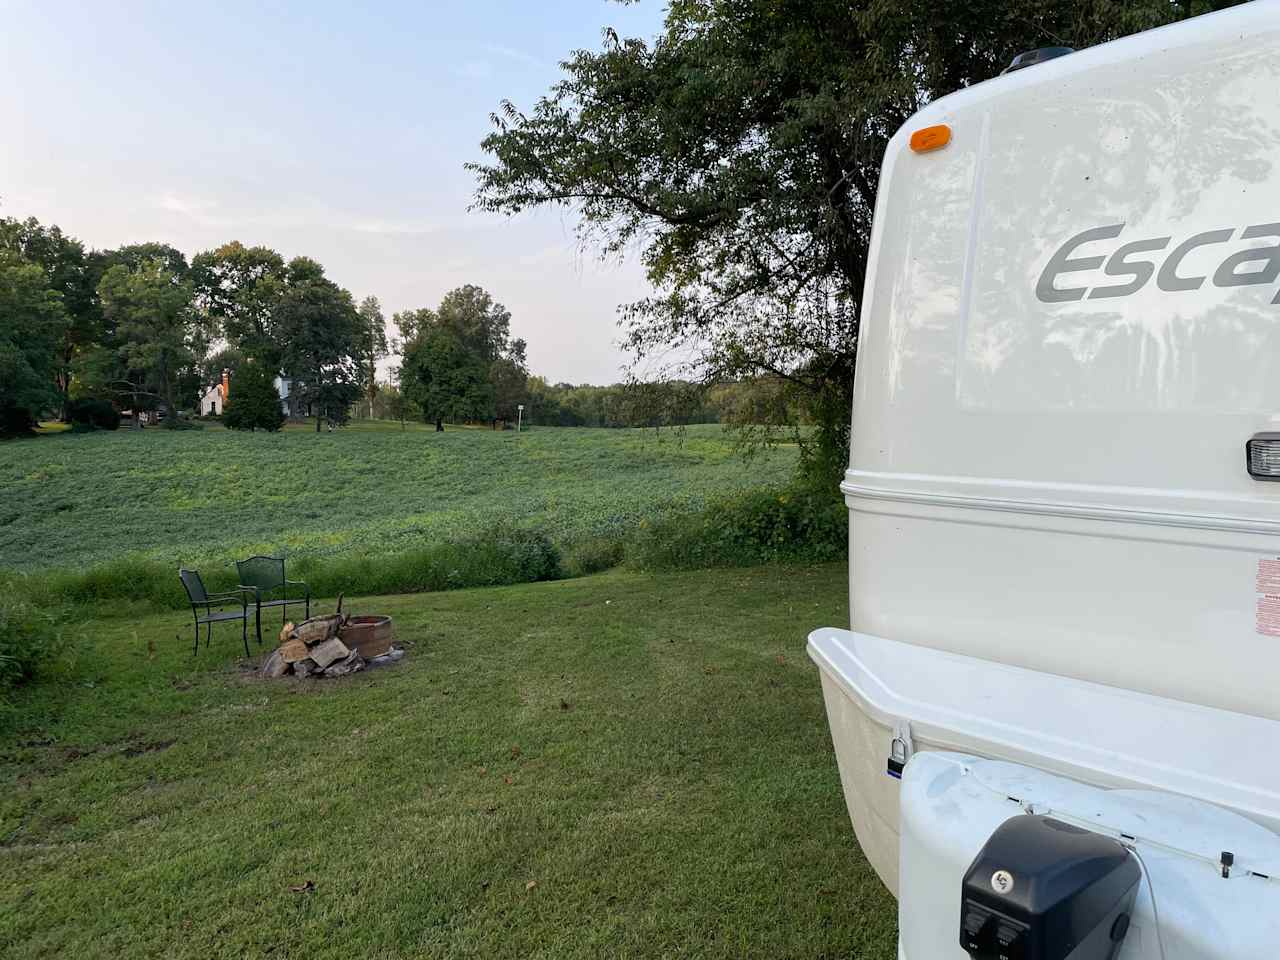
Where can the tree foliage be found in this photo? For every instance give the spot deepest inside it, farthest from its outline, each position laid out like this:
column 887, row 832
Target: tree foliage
column 445, row 379
column 482, row 325
column 73, row 275
column 149, row 309
column 33, row 321
column 254, row 402
column 740, row 152
column 239, row 288
column 371, row 346
column 91, row 413
column 319, row 327
column 139, row 326
column 509, row 377
column 460, row 361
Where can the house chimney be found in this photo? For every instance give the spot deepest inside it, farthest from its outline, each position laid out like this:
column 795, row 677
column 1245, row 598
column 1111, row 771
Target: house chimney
column 226, row 384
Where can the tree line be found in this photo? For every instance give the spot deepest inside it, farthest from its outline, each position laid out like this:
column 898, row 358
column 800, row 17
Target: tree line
column 142, row 328
column 85, row 333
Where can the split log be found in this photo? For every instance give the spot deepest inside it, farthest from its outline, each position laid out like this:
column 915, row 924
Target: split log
column 286, row 634
column 318, row 629
column 305, row 668
column 328, row 652
column 275, row 666
column 353, row 663
column 391, row 656
column 291, row 651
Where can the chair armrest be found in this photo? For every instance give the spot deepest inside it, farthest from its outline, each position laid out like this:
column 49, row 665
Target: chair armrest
column 236, row 594
column 299, row 583
column 221, row 599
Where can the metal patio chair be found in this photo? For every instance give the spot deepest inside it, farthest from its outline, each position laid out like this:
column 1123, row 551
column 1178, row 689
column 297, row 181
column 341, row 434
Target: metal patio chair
column 262, row 576
column 200, row 597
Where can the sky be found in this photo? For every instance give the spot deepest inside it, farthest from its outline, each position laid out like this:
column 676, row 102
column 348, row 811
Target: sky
column 332, row 130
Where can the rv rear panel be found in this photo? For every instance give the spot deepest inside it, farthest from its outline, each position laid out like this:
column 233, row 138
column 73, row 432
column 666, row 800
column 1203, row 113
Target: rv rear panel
column 1071, row 331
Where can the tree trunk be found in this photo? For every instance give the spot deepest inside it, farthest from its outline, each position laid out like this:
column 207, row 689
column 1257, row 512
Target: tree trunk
column 171, row 407
column 439, row 425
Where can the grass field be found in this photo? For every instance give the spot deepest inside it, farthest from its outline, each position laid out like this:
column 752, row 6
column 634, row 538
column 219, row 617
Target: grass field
column 619, row 765
column 211, row 495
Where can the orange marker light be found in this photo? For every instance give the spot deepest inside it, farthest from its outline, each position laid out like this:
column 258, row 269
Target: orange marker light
column 931, row 138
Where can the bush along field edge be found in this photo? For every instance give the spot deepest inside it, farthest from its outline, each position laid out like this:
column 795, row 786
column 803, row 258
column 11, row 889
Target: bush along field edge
column 768, row 525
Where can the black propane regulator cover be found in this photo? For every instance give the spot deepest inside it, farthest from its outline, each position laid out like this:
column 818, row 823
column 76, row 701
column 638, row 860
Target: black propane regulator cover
column 1041, row 889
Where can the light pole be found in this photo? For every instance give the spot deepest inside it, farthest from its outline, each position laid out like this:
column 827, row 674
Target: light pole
column 519, row 416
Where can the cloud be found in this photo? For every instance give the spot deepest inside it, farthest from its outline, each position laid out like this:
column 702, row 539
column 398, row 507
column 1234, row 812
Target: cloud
column 511, row 53
column 187, row 206
column 399, row 227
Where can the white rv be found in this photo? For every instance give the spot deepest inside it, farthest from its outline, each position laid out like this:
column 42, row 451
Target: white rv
column 1056, row 712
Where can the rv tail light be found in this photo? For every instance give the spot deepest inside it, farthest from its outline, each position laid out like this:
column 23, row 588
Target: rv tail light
column 1262, row 456
column 931, row 138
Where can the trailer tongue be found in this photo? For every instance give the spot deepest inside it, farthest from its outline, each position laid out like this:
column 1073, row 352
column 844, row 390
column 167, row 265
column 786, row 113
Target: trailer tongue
column 1054, row 712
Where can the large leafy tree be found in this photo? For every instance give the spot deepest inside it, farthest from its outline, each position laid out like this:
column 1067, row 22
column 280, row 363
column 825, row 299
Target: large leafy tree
column 135, row 256
column 409, row 324
column 371, row 346
column 73, row 275
column 239, row 288
column 149, row 308
column 482, row 324
column 319, row 326
column 254, row 403
column 445, row 379
column 459, row 360
column 740, row 153
column 509, row 375
column 33, row 322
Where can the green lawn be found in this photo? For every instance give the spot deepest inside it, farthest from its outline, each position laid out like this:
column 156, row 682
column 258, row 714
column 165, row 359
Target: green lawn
column 213, row 494
column 621, row 765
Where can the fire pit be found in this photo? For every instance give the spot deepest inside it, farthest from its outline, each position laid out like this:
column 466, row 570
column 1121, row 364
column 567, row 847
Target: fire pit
column 369, row 636
column 332, row 646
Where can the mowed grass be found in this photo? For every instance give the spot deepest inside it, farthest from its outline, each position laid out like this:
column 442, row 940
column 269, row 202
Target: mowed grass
column 208, row 496
column 621, row 765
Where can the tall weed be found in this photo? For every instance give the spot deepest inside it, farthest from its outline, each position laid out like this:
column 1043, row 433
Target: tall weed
column 31, row 638
column 761, row 526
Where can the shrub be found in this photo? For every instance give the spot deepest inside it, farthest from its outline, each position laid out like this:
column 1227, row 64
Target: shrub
column 254, row 402
column 15, row 421
column 790, row 525
column 30, row 639
column 762, row 526
column 495, row 557
column 499, row 555
column 181, row 423
column 593, row 556
column 89, row 413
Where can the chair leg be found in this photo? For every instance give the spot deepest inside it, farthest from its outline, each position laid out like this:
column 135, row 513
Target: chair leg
column 195, row 650
column 208, row 634
column 244, row 633
column 257, row 621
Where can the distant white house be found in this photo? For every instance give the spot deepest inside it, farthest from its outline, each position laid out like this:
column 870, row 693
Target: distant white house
column 213, row 401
